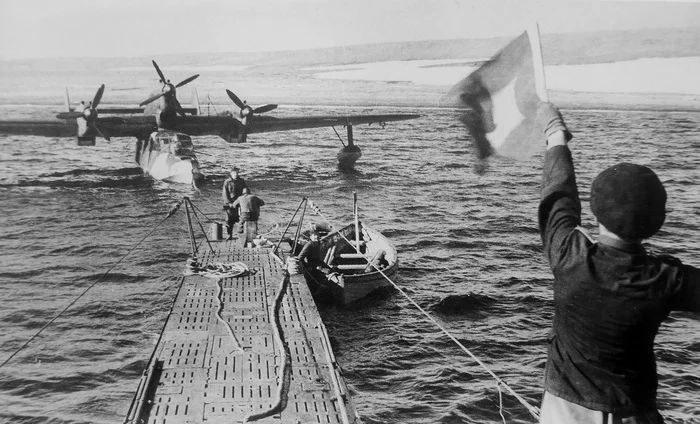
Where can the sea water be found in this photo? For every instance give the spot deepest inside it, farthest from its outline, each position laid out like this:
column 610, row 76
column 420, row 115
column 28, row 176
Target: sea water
column 468, row 244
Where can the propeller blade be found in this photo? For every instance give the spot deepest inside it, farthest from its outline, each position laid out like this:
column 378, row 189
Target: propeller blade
column 265, row 108
column 160, row 74
column 185, row 81
column 102, row 134
column 69, row 115
column 98, row 96
column 150, row 100
column 235, row 99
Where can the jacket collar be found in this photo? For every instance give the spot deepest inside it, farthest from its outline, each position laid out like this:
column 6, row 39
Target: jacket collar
column 627, row 246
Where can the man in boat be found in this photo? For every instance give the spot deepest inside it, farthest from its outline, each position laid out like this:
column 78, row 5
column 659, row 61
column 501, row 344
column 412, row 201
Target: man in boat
column 249, row 211
column 311, row 253
column 232, row 190
column 610, row 296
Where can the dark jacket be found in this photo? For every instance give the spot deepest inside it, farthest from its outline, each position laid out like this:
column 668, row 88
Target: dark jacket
column 232, row 189
column 249, row 205
column 312, row 253
column 610, row 299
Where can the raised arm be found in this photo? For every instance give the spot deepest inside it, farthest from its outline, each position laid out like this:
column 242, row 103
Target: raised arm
column 560, row 207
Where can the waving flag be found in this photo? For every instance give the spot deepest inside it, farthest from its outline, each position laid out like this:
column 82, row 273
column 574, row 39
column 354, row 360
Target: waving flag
column 502, row 97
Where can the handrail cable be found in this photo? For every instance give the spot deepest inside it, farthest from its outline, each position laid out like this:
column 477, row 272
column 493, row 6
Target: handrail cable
column 303, row 201
column 170, row 213
column 201, row 227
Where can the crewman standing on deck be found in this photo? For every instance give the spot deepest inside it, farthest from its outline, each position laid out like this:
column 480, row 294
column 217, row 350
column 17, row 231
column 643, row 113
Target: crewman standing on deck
column 249, row 210
column 610, row 296
column 232, row 190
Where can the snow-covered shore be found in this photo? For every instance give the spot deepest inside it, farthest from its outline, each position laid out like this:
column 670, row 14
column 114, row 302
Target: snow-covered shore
column 651, row 75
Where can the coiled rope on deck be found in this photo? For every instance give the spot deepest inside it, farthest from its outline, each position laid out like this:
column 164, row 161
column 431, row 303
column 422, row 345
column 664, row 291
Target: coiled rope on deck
column 170, row 213
column 534, row 411
column 234, row 270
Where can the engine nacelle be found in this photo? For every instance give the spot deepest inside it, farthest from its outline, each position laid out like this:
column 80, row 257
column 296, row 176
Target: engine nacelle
column 86, row 141
column 234, row 136
column 86, row 135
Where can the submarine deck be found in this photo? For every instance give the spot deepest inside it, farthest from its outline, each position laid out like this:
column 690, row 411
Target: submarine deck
column 249, row 348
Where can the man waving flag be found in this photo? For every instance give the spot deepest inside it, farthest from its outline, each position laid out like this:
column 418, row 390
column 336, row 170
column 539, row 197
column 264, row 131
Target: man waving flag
column 502, row 97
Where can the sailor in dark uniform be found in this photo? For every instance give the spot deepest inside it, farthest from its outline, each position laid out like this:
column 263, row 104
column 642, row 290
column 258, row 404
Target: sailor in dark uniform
column 232, row 190
column 311, row 253
column 610, row 295
column 248, row 206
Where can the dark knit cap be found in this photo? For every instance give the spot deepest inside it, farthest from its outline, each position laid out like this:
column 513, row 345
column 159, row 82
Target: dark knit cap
column 629, row 200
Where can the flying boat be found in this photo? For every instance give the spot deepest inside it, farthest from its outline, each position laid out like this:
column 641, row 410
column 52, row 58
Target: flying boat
column 164, row 129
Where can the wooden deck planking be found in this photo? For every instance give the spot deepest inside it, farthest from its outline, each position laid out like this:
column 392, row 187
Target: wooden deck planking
column 199, row 373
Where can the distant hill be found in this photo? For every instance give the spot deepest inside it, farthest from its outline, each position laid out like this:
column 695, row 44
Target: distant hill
column 558, row 49
column 285, row 78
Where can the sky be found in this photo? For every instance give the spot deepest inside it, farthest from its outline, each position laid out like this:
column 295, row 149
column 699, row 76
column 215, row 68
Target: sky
column 132, row 28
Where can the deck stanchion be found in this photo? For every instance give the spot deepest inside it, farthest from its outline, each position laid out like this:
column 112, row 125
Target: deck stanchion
column 303, row 200
column 189, row 226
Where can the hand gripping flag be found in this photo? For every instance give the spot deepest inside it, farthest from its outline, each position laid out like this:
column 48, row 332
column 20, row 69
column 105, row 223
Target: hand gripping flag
column 502, row 97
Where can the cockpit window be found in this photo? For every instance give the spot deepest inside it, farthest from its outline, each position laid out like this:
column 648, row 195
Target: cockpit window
column 183, row 147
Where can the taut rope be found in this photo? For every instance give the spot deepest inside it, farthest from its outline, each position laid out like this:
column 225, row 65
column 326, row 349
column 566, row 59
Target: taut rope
column 532, row 409
column 170, row 213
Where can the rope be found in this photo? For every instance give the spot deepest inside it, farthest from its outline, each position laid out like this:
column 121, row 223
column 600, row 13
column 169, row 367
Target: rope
column 201, row 227
column 276, row 225
column 286, row 372
column 199, row 210
column 532, row 409
column 241, row 269
column 216, row 270
column 170, row 213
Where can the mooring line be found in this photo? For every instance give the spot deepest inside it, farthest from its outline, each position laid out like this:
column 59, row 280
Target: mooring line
column 532, row 409
column 243, row 269
column 286, row 370
column 170, row 213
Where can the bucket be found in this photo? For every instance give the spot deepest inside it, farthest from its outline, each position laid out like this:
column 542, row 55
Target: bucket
column 216, row 231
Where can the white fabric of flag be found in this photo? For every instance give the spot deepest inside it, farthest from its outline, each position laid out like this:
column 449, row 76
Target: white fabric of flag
column 502, row 97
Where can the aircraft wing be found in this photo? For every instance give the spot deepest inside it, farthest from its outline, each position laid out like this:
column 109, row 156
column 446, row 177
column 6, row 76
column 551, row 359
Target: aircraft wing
column 133, row 126
column 137, row 110
column 49, row 128
column 143, row 126
column 270, row 124
column 215, row 125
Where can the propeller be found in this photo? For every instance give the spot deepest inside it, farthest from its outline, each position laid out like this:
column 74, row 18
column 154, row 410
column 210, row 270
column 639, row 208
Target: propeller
column 89, row 113
column 168, row 88
column 247, row 111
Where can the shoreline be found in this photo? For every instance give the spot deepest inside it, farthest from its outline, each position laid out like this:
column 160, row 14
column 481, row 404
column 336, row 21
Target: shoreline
column 576, row 101
column 651, row 102
column 645, row 84
column 309, row 92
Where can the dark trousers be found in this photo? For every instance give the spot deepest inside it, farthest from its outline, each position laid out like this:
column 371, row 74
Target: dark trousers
column 231, row 219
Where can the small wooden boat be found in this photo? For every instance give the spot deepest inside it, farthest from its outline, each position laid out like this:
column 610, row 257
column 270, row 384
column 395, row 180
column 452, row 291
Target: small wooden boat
column 357, row 261
column 354, row 275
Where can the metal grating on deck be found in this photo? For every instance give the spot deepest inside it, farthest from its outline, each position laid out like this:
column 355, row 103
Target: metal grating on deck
column 200, row 373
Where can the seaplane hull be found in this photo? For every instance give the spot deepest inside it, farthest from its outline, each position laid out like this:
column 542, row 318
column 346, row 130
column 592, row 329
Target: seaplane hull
column 169, row 156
